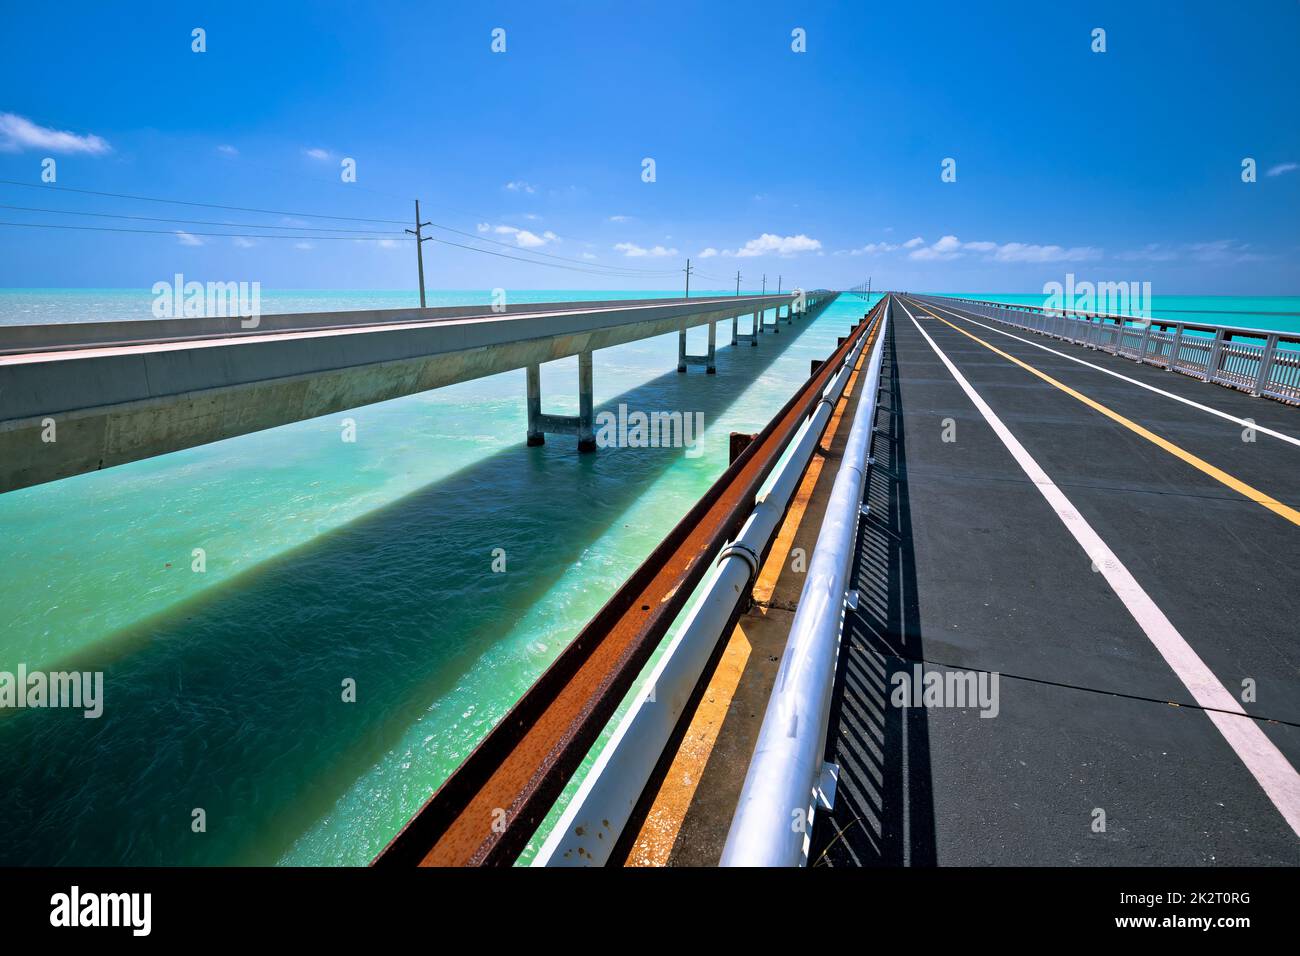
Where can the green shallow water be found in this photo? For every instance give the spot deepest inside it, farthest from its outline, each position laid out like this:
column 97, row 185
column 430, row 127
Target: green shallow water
column 326, row 561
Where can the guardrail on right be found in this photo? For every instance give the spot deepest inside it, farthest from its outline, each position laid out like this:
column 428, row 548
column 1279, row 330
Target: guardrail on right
column 1258, row 361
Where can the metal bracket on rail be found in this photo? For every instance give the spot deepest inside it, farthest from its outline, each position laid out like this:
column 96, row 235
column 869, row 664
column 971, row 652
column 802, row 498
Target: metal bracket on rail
column 746, row 554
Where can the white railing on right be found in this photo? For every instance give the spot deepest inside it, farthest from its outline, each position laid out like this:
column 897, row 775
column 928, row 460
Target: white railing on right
column 1258, row 361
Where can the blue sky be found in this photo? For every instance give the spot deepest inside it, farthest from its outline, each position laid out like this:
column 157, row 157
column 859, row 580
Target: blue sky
column 822, row 166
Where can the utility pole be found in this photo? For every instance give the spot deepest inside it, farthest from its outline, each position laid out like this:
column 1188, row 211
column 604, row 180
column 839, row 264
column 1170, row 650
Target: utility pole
column 868, row 288
column 764, row 283
column 687, row 270
column 778, row 285
column 419, row 247
column 737, row 282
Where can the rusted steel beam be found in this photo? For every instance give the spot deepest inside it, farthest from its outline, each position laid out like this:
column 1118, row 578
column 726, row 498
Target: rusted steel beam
column 486, row 811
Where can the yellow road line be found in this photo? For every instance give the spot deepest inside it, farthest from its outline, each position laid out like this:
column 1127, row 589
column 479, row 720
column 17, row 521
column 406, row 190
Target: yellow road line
column 1218, row 474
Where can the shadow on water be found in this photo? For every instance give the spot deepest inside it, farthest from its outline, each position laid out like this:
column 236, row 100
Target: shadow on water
column 230, row 702
column 884, row 807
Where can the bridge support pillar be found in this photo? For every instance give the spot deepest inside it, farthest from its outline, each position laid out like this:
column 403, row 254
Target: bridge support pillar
column 708, row 360
column 582, row 425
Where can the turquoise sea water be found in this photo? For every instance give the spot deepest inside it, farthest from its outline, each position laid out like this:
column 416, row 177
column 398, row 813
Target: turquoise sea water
column 325, row 561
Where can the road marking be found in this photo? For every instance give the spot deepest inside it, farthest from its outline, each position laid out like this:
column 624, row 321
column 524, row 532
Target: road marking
column 960, row 313
column 1262, row 758
column 1218, row 474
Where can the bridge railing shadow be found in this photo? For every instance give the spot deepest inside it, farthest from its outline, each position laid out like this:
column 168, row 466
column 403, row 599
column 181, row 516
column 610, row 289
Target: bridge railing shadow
column 884, row 808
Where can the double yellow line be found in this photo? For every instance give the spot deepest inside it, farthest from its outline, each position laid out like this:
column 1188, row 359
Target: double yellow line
column 1200, row 464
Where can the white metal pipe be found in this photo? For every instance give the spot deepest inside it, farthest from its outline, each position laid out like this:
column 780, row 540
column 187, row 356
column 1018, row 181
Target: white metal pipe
column 593, row 820
column 772, row 821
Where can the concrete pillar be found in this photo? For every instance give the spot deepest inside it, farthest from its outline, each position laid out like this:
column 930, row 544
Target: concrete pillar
column 586, row 418
column 735, row 329
column 681, row 351
column 535, row 436
column 758, row 321
column 712, row 368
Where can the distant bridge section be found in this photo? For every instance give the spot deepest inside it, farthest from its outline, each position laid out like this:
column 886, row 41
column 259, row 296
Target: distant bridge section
column 108, row 393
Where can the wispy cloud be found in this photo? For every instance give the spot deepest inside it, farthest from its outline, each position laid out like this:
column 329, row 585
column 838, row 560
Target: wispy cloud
column 18, row 133
column 870, row 249
column 519, row 186
column 317, row 153
column 633, row 251
column 185, row 239
column 227, row 150
column 914, row 242
column 950, row 247
column 620, row 218
column 1281, row 168
column 242, row 242
column 303, row 245
column 1214, row 251
column 708, row 253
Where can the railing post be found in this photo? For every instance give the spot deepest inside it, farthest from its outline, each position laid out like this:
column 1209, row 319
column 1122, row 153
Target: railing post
column 1176, row 347
column 1265, row 366
column 1212, row 364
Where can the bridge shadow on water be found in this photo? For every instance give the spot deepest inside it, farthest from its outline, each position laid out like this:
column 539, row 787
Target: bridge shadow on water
column 884, row 808
column 230, row 701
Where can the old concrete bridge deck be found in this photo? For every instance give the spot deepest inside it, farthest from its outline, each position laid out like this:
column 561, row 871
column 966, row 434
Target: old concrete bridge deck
column 121, row 391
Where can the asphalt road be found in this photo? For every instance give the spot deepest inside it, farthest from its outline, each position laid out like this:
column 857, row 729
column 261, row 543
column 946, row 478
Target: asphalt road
column 1133, row 585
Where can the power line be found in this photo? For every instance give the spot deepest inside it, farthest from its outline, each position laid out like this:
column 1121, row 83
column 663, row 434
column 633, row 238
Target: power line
column 197, row 222
column 206, row 205
column 185, row 232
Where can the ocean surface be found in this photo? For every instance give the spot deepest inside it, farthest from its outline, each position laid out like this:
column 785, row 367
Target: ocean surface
column 330, row 561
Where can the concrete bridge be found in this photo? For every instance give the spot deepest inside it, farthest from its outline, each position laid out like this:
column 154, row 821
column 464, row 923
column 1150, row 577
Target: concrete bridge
column 80, row 397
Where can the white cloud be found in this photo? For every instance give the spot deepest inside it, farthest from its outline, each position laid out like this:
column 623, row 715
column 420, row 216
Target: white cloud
column 588, row 255
column 387, row 243
column 913, row 243
column 18, row 133
column 1281, row 168
column 519, row 186
column 484, row 227
column 708, row 253
column 185, row 239
column 523, row 238
column 303, row 245
column 633, row 251
column 227, row 150
column 241, row 242
column 317, row 153
column 771, row 244
column 620, row 218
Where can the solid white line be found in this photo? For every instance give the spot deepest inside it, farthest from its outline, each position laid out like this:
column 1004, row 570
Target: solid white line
column 1262, row 758
column 966, row 317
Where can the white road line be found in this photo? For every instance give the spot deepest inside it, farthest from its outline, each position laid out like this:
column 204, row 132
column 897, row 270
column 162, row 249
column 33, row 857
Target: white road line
column 1262, row 758
column 960, row 314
